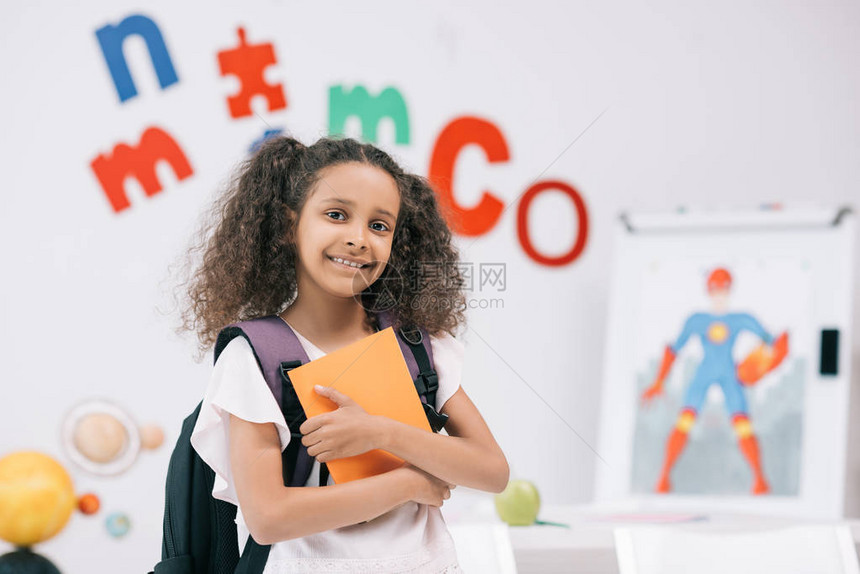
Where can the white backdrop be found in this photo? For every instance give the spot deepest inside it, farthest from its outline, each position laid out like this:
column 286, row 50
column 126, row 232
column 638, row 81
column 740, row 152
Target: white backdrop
column 737, row 103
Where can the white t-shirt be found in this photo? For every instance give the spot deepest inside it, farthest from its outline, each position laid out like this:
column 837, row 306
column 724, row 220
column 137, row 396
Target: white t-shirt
column 411, row 538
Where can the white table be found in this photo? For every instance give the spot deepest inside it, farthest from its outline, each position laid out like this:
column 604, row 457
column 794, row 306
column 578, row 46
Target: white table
column 589, row 545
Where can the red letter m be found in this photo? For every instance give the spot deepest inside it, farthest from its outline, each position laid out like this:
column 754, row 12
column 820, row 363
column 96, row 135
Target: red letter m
column 139, row 162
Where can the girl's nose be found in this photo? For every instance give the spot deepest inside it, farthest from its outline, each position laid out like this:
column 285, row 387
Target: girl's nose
column 358, row 236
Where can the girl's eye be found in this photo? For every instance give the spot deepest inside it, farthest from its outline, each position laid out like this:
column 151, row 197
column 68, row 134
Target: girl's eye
column 384, row 226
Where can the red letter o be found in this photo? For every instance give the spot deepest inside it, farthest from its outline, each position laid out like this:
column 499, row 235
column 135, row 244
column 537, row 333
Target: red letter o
column 522, row 223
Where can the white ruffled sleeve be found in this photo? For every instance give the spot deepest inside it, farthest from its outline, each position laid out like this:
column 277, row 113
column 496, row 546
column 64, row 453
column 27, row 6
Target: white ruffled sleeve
column 236, row 386
column 448, row 355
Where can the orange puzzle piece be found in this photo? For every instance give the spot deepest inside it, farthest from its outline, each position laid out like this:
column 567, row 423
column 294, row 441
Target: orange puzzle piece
column 248, row 63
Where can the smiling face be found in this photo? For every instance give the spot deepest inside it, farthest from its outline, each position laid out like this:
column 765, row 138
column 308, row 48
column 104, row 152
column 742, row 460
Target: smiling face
column 349, row 214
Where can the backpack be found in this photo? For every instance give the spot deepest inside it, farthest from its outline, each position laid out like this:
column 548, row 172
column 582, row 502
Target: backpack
column 200, row 534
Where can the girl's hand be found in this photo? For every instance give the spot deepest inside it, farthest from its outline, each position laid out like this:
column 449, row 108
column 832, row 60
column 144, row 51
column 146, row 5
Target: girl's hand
column 348, row 431
column 427, row 488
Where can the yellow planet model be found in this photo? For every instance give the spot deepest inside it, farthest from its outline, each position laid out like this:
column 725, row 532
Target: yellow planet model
column 37, row 498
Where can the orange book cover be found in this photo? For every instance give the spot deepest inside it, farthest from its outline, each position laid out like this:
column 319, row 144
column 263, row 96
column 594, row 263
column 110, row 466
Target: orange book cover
column 374, row 374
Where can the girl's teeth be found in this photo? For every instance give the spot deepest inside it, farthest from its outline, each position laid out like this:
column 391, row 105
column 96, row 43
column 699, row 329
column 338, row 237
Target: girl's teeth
column 346, row 263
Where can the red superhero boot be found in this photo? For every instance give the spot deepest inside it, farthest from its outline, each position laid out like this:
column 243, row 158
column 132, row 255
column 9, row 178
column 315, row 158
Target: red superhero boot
column 674, row 446
column 749, row 447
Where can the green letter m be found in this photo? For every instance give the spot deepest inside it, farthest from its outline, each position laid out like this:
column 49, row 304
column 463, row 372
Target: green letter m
column 370, row 110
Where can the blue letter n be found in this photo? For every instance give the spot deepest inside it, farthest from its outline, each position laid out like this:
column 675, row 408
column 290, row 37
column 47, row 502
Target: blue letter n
column 112, row 38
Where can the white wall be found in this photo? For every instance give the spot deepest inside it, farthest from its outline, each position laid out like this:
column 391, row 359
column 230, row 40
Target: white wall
column 704, row 104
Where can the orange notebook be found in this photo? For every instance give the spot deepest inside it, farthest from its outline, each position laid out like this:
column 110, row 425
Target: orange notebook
column 374, row 374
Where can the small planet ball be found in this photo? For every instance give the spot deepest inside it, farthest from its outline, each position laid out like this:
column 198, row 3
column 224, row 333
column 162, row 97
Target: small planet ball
column 100, row 437
column 89, row 503
column 151, row 437
column 118, row 524
column 37, row 498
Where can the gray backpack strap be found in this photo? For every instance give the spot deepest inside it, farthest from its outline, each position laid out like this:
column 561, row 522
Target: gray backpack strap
column 418, row 353
column 272, row 341
column 386, row 320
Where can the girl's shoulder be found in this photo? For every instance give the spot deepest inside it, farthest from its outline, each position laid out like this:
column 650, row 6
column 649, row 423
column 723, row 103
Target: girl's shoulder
column 236, row 353
column 446, row 342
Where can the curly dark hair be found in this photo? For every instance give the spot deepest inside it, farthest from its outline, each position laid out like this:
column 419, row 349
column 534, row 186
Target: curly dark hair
column 248, row 263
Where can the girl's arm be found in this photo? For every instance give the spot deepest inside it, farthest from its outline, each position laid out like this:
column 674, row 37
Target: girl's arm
column 469, row 456
column 274, row 512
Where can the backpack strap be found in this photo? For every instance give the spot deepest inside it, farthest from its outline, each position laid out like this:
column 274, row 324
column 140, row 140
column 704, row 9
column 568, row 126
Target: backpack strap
column 427, row 383
column 254, row 558
column 418, row 352
column 272, row 341
column 324, row 474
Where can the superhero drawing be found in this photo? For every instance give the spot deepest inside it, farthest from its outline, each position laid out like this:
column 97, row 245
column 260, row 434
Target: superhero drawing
column 718, row 331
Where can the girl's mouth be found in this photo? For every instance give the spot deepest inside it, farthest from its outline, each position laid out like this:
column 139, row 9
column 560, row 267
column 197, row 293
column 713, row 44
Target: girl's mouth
column 350, row 267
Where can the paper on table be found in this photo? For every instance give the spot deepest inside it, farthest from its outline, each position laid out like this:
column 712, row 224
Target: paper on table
column 374, row 374
column 655, row 518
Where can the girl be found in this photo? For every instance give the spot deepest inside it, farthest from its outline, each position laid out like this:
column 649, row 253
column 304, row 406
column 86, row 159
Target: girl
column 319, row 235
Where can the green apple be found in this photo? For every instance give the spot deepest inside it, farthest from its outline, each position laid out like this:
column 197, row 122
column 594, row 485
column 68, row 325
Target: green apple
column 519, row 503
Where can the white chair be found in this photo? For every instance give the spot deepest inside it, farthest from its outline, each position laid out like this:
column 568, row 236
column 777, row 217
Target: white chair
column 817, row 549
column 483, row 547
